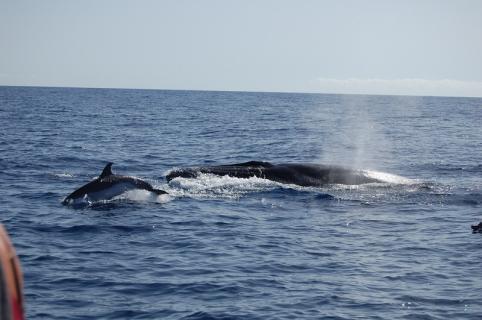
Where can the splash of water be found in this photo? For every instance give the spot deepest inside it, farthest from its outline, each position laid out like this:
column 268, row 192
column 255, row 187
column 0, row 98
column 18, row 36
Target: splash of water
column 213, row 186
column 388, row 177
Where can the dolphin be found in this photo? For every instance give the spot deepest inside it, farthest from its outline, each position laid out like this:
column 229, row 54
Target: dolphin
column 306, row 175
column 477, row 227
column 109, row 185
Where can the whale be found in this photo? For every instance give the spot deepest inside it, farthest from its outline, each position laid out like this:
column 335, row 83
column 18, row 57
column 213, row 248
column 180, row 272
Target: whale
column 108, row 186
column 302, row 174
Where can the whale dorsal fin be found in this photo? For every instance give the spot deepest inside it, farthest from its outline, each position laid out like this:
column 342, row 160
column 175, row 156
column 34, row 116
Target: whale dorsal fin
column 107, row 171
column 261, row 164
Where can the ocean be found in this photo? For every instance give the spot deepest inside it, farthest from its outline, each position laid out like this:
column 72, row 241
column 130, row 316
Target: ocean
column 229, row 248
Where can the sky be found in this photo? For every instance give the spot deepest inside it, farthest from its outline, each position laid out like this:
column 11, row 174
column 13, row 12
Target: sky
column 410, row 47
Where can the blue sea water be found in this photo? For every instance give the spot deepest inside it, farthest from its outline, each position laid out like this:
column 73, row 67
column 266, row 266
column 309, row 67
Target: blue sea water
column 227, row 248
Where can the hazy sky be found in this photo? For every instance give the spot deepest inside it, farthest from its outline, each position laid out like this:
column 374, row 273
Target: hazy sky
column 386, row 47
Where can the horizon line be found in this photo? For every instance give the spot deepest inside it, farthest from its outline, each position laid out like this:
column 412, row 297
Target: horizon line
column 239, row 91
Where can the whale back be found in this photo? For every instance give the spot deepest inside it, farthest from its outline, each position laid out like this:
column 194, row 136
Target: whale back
column 251, row 164
column 302, row 174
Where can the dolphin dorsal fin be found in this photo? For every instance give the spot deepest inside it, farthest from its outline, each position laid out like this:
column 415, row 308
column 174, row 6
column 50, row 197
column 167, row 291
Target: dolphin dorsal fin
column 107, row 171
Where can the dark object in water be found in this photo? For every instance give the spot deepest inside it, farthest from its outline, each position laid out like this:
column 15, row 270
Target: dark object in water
column 109, row 185
column 307, row 175
column 477, row 228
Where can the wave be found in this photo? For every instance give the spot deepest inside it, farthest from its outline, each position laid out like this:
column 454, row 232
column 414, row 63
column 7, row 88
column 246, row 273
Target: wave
column 213, row 186
column 388, row 177
column 451, row 167
column 207, row 185
column 143, row 196
column 63, row 175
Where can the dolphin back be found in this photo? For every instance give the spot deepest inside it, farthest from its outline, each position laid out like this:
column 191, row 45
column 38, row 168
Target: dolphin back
column 110, row 185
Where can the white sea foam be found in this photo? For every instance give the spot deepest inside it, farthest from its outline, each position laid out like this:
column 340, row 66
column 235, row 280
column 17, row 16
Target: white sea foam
column 388, row 177
column 212, row 186
column 63, row 175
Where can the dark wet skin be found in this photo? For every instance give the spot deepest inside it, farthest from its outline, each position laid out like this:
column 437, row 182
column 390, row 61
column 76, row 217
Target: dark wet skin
column 307, row 175
column 477, row 228
column 106, row 180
